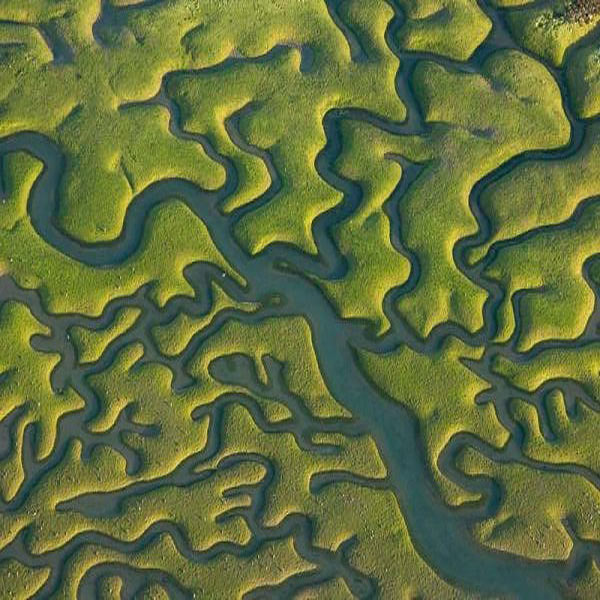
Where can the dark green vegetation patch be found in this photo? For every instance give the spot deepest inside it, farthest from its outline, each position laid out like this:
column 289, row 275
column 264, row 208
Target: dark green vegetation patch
column 299, row 299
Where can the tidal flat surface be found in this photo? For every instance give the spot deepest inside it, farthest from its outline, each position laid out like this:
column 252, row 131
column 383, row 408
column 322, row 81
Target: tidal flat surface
column 299, row 299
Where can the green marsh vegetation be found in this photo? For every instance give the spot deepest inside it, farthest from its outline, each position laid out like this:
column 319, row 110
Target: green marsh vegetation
column 299, row 299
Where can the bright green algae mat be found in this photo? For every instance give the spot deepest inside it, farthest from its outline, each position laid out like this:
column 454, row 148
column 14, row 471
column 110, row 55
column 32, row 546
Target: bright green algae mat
column 299, row 299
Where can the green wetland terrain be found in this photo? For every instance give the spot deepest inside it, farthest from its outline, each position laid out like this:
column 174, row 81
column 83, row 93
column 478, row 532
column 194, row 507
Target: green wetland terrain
column 299, row 299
